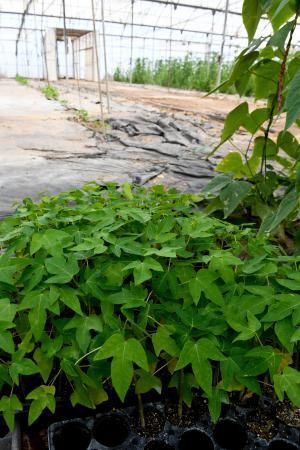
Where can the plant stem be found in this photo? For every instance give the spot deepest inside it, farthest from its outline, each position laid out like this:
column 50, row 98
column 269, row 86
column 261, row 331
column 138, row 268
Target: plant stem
column 278, row 96
column 140, row 407
column 141, row 411
column 181, row 387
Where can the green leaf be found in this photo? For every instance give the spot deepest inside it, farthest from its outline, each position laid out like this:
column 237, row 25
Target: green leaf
column 266, row 73
column 232, row 163
column 288, row 382
column 256, row 119
column 215, row 400
column 9, row 406
column 285, row 208
column 130, row 350
column 6, row 342
column 243, row 64
column 280, row 12
column 45, row 364
column 234, row 121
column 109, row 347
column 163, row 341
column 203, row 372
column 229, row 369
column 83, row 326
column 37, row 318
column 233, row 195
column 295, row 336
column 197, row 354
column 134, row 351
column 251, row 16
column 166, row 252
column 69, row 297
column 127, row 191
column 289, row 144
column 248, row 330
column 133, row 297
column 278, row 39
column 43, row 397
column 88, row 244
column 62, row 269
column 121, row 375
column 292, row 102
column 146, row 382
column 204, row 281
column 24, row 367
column 268, row 146
column 52, row 240
column 293, row 285
column 7, row 311
column 143, row 269
column 282, row 308
column 217, row 184
column 284, row 331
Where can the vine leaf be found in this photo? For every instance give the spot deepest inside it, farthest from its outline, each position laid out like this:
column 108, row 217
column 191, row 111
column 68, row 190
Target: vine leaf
column 163, row 341
column 288, row 382
column 198, row 354
column 9, row 406
column 43, row 397
column 146, row 382
column 124, row 353
column 233, row 122
column 83, row 326
column 278, row 39
column 292, row 103
column 233, row 195
column 285, row 208
column 251, row 16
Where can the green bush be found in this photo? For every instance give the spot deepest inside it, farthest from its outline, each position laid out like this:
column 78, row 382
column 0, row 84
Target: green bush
column 262, row 178
column 102, row 283
column 83, row 115
column 50, row 92
column 187, row 73
column 22, row 80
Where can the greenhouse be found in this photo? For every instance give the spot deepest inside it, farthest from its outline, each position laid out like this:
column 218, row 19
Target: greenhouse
column 149, row 224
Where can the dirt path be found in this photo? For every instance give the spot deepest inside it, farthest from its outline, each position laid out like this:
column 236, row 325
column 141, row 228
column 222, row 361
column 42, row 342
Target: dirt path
column 154, row 135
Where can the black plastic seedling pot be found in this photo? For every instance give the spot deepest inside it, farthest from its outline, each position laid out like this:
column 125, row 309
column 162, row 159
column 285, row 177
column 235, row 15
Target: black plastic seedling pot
column 116, row 430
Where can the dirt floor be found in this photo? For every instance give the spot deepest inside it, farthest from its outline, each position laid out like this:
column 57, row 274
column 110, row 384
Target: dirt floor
column 152, row 135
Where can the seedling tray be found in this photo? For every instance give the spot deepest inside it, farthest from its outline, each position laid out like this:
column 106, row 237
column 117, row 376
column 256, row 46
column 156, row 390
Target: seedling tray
column 114, row 430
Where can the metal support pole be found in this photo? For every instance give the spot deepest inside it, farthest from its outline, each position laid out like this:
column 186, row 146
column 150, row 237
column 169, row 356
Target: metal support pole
column 209, row 62
column 131, row 43
column 223, row 44
column 105, row 57
column 45, row 57
column 65, row 39
column 170, row 47
column 98, row 66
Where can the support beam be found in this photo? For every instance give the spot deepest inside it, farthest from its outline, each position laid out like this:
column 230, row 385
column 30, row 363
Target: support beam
column 221, row 57
column 131, row 42
column 116, row 22
column 147, row 38
column 65, row 39
column 187, row 5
